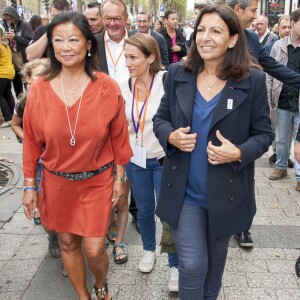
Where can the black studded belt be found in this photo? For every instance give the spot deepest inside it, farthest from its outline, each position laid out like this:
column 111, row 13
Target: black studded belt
column 81, row 175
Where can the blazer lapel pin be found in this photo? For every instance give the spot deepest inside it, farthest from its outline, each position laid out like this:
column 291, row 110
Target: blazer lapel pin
column 229, row 103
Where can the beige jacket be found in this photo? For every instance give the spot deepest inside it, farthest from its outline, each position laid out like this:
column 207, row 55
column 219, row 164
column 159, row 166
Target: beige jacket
column 274, row 86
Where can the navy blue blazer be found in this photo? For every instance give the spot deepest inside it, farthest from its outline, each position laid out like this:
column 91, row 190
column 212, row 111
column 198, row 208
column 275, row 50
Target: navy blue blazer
column 231, row 200
column 269, row 64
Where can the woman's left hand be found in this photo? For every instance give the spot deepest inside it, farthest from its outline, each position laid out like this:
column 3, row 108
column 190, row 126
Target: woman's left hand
column 176, row 48
column 29, row 203
column 118, row 192
column 225, row 153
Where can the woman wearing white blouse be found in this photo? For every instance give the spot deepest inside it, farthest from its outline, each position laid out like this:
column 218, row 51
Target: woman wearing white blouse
column 142, row 97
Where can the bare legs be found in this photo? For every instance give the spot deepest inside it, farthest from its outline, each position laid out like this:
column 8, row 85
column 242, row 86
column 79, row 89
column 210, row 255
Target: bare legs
column 73, row 249
column 122, row 208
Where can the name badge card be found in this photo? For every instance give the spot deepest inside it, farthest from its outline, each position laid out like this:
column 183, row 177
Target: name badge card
column 140, row 156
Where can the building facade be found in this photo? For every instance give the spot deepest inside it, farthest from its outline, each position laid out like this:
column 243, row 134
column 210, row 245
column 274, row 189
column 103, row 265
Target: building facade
column 273, row 9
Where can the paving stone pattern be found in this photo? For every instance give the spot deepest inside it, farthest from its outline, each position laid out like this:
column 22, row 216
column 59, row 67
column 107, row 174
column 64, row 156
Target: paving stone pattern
column 267, row 272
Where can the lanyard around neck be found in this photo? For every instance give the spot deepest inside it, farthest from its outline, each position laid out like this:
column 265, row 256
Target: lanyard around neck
column 115, row 63
column 139, row 124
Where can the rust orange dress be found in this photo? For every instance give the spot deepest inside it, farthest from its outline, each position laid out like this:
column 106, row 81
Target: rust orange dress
column 79, row 207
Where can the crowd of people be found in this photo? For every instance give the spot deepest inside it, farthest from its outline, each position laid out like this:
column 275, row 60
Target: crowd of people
column 166, row 130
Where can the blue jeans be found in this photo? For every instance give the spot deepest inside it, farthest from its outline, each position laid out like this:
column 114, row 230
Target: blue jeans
column 201, row 261
column 145, row 185
column 284, row 120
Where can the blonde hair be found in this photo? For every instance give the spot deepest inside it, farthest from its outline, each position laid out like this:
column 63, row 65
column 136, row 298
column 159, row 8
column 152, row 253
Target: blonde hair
column 27, row 69
column 3, row 40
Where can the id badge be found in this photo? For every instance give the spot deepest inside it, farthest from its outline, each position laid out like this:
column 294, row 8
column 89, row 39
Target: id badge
column 139, row 156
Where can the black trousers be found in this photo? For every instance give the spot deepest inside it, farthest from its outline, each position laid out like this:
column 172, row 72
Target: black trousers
column 7, row 101
column 18, row 85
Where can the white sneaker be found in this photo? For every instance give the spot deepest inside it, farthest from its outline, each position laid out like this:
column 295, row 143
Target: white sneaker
column 173, row 280
column 147, row 262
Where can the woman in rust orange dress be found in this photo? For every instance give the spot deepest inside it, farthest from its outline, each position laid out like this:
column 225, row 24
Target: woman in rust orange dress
column 75, row 121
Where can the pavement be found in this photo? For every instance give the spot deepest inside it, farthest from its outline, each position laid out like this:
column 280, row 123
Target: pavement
column 267, row 272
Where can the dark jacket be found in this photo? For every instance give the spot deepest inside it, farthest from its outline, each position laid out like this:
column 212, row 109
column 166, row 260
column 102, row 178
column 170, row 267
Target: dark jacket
column 102, row 60
column 23, row 31
column 269, row 64
column 180, row 41
column 269, row 41
column 162, row 47
column 231, row 199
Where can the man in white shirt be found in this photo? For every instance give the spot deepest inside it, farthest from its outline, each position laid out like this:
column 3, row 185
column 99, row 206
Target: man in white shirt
column 110, row 42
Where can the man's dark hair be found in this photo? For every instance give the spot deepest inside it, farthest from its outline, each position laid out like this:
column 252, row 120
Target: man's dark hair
column 199, row 6
column 169, row 12
column 61, row 5
column 95, row 4
column 295, row 15
column 237, row 61
column 145, row 14
column 80, row 21
column 232, row 3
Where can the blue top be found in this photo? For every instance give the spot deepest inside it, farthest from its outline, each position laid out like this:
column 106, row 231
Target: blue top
column 196, row 193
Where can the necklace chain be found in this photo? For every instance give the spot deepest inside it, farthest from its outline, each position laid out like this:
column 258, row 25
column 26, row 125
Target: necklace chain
column 72, row 140
column 210, row 86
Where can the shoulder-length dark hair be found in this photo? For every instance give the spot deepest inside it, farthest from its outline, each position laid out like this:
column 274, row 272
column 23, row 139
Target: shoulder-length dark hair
column 35, row 21
column 80, row 21
column 237, row 61
column 148, row 45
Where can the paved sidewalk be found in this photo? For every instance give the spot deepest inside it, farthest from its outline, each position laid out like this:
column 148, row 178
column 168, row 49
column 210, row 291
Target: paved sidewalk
column 267, row 272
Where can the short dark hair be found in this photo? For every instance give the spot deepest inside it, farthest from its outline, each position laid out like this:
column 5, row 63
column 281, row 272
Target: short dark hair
column 295, row 15
column 145, row 14
column 232, row 3
column 95, row 4
column 199, row 5
column 237, row 61
column 169, row 12
column 61, row 5
column 148, row 45
column 80, row 21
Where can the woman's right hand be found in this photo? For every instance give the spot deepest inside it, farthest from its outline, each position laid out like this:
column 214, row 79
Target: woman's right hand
column 29, row 203
column 182, row 139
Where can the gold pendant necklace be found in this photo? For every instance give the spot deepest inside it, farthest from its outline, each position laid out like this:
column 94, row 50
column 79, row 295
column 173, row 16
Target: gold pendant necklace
column 210, row 86
column 72, row 140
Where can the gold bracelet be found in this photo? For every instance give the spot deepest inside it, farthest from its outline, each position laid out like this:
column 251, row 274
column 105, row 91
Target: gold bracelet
column 120, row 179
column 29, row 179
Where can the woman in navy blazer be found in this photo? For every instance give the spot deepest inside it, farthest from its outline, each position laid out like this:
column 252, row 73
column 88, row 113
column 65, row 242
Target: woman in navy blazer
column 213, row 123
